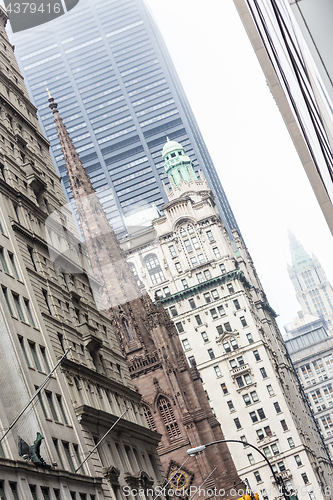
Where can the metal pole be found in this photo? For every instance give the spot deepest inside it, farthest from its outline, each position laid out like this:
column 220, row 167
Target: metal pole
column 278, row 480
column 99, row 442
column 35, row 395
column 203, row 482
column 160, row 493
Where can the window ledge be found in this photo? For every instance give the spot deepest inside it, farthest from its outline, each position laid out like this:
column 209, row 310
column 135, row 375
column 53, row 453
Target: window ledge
column 59, row 423
column 10, row 275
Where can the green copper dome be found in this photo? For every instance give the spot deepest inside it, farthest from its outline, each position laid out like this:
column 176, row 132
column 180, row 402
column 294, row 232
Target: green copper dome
column 178, row 166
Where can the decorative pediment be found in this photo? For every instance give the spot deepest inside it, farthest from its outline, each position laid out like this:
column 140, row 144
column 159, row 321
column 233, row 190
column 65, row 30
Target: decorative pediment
column 111, row 474
column 141, row 480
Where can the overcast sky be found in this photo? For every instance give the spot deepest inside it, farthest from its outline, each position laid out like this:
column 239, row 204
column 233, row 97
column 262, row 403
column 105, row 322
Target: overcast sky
column 255, row 158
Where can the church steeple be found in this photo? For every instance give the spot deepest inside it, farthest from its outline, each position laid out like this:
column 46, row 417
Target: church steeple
column 106, row 257
column 178, row 166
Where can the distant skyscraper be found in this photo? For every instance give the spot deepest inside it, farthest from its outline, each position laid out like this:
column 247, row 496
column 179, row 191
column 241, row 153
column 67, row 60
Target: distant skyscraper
column 299, row 73
column 120, row 98
column 313, row 290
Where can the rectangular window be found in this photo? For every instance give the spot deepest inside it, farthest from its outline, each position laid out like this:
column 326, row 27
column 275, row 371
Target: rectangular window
column 236, row 304
column 247, row 379
column 186, row 345
column 198, row 319
column 62, row 410
column 257, row 477
column 179, row 327
column 222, row 268
column 184, row 283
column 237, row 423
column 29, row 313
column 240, row 382
column 178, row 267
column 260, row 434
column 249, row 338
column 227, row 327
column 291, row 442
column 172, row 251
column 68, row 456
column 45, row 492
column 275, row 449
column 211, row 353
column 43, row 353
column 173, row 311
column 166, row 291
column 201, row 258
column 158, row 293
column 219, row 329
column 216, row 253
column 227, row 347
column 13, row 487
column 284, row 425
column 268, row 431
column 267, row 452
column 281, row 466
column 261, row 414
column 217, row 371
column 305, row 478
column 298, row 460
column 33, row 491
column 231, row 406
column 243, row 438
column 240, row 361
column 191, row 360
column 21, row 341
column 263, row 372
column 192, row 304
column 18, row 307
column 194, row 261
column 254, row 396
column 254, row 416
column 210, row 235
column 51, row 405
column 207, row 274
column 213, row 313
column 256, row 355
column 195, row 243
column 200, row 278
column 270, row 390
column 207, row 297
column 234, row 344
column 251, row 459
column 46, row 299
column 230, row 288
column 33, row 350
column 188, row 245
column 243, row 321
column 56, row 446
column 224, row 388
column 247, row 399
column 215, row 294
column 221, row 310
column 277, row 407
column 204, row 337
column 3, row 261
column 12, row 261
column 233, row 363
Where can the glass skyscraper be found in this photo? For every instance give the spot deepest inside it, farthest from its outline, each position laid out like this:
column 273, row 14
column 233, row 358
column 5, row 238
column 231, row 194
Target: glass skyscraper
column 108, row 68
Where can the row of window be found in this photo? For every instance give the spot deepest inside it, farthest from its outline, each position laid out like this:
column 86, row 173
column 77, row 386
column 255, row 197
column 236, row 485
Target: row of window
column 37, row 357
column 256, row 415
column 7, row 259
column 240, row 381
column 46, row 492
column 21, row 304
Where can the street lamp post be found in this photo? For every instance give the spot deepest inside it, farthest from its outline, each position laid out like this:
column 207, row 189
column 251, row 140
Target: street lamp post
column 278, row 479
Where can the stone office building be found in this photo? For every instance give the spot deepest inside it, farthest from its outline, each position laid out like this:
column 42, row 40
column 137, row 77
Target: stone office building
column 310, row 346
column 46, row 306
column 210, row 289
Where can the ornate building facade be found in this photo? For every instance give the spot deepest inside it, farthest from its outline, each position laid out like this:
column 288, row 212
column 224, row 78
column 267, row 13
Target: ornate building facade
column 311, row 350
column 47, row 306
column 211, row 292
column 173, row 399
column 313, row 290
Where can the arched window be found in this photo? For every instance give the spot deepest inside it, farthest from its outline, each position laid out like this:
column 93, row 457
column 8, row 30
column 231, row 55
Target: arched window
column 149, row 418
column 154, row 269
column 180, row 174
column 168, row 417
column 128, row 330
column 135, row 273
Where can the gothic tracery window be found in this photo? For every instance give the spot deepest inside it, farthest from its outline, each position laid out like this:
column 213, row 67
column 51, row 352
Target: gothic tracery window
column 128, row 330
column 168, row 417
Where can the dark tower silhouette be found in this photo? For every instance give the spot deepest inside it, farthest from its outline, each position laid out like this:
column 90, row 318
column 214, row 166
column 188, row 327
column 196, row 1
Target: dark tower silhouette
column 174, row 401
